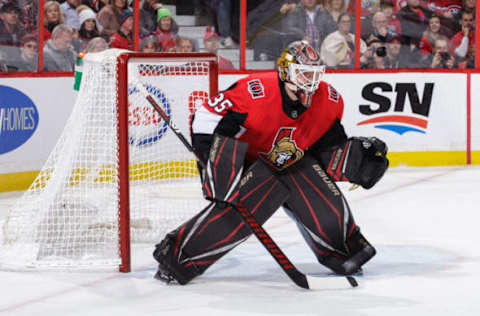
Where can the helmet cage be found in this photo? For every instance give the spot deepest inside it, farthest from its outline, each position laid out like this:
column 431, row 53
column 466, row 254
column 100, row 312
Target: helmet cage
column 305, row 77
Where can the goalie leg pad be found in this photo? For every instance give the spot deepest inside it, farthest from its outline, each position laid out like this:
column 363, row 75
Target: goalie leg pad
column 217, row 229
column 224, row 167
column 319, row 207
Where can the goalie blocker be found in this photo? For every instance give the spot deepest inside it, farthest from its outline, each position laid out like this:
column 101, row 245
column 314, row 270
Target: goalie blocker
column 307, row 193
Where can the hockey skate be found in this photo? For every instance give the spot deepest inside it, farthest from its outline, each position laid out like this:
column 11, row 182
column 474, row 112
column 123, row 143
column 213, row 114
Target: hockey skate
column 361, row 251
column 169, row 269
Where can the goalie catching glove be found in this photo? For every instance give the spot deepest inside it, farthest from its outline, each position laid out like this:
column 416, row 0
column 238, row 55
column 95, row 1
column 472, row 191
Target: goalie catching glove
column 360, row 160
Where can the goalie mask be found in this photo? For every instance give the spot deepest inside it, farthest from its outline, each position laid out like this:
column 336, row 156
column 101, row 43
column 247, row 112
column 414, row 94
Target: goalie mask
column 300, row 67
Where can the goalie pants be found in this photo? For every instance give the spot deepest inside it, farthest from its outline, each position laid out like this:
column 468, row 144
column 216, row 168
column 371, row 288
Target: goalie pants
column 308, row 196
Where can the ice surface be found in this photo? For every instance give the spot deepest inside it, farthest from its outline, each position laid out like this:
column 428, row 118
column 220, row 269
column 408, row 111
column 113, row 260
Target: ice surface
column 424, row 223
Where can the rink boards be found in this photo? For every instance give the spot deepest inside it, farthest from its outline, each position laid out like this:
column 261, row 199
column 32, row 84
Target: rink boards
column 425, row 118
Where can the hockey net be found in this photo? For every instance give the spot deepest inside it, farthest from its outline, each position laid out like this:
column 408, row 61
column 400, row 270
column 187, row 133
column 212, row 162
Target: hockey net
column 117, row 173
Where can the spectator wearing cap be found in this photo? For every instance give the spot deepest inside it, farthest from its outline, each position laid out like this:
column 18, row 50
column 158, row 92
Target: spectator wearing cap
column 123, row 38
column 88, row 27
column 148, row 17
column 373, row 58
column 211, row 42
column 11, row 30
column 392, row 59
column 108, row 17
column 58, row 53
column 167, row 30
column 28, row 58
column 338, row 48
column 70, row 13
column 52, row 16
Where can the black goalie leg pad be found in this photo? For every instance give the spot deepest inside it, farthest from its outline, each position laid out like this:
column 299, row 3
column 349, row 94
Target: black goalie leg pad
column 224, row 168
column 319, row 207
column 361, row 251
column 169, row 269
column 192, row 248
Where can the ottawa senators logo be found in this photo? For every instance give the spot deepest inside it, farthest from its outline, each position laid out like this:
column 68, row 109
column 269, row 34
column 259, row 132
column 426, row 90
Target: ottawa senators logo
column 284, row 150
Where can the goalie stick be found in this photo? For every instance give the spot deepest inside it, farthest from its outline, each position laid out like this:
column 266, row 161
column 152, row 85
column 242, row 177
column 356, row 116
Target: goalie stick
column 299, row 278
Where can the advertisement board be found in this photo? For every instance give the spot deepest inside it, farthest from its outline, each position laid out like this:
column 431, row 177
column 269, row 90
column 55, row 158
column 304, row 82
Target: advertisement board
column 421, row 116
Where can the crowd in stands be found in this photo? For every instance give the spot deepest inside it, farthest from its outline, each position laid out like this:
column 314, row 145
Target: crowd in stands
column 394, row 33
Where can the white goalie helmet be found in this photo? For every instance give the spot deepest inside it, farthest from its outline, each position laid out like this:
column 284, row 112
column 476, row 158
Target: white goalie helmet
column 301, row 68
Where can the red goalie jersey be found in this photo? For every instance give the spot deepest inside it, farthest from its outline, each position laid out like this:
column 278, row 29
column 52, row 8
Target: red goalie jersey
column 276, row 131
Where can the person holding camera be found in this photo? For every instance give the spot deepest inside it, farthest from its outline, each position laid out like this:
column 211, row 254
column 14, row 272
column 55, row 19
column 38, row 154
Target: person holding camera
column 374, row 55
column 440, row 56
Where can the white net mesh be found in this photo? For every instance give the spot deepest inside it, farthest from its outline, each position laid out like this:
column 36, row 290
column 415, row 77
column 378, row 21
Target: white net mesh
column 68, row 219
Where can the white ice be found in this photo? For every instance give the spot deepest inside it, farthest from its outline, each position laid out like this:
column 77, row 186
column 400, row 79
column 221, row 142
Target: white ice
column 424, row 223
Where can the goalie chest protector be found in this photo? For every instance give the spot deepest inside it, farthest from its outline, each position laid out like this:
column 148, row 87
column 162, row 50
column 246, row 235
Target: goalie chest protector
column 270, row 133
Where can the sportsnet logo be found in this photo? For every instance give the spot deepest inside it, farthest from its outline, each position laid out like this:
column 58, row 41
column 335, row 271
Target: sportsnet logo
column 399, row 122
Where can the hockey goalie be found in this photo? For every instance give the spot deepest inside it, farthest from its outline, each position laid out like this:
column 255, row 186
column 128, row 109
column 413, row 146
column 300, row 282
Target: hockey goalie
column 276, row 140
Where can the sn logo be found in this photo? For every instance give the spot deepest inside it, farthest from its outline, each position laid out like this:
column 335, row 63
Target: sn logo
column 403, row 91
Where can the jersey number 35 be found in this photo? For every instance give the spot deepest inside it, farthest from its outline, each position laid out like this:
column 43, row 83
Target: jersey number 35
column 219, row 103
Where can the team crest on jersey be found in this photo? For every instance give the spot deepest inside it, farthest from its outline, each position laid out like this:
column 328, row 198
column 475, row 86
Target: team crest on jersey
column 255, row 87
column 332, row 94
column 284, row 151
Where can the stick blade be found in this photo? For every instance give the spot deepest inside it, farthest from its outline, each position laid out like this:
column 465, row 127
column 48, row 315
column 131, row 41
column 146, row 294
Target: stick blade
column 331, row 282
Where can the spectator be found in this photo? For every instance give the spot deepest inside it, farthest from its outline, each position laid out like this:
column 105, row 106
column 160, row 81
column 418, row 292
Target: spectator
column 97, row 44
column 29, row 14
column 88, row 27
column 108, row 17
column 392, row 59
column 167, row 30
column 380, row 28
column 52, row 16
column 5, row 63
column 11, row 30
column 223, row 10
column 58, row 53
column 463, row 43
column 148, row 17
column 308, row 22
column 123, row 38
column 150, row 44
column 469, row 6
column 373, row 58
column 338, row 48
column 440, row 56
column 185, row 45
column 335, row 8
column 431, row 34
column 386, row 6
column 413, row 19
column 211, row 42
column 95, row 5
column 28, row 58
column 264, row 28
column 70, row 13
